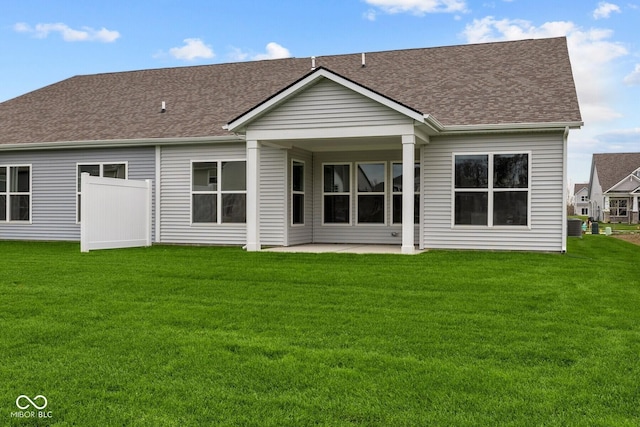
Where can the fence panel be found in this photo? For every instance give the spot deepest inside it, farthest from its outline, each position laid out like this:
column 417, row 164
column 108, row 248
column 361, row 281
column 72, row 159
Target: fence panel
column 115, row 213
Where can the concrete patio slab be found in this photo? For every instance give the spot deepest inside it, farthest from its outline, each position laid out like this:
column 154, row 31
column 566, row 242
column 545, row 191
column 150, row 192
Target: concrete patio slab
column 319, row 248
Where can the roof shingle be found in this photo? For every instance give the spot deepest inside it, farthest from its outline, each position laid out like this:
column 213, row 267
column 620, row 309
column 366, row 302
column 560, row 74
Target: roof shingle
column 528, row 81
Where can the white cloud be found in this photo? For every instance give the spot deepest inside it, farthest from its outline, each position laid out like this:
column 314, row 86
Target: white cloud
column 591, row 54
column 192, row 49
column 370, row 15
column 419, row 7
column 68, row 34
column 633, row 78
column 273, row 51
column 604, row 10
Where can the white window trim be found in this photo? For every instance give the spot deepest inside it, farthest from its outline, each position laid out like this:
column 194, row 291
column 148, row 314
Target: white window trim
column 350, row 194
column 101, row 164
column 10, row 193
column 490, row 190
column 399, row 193
column 303, row 193
column 219, row 192
column 384, row 194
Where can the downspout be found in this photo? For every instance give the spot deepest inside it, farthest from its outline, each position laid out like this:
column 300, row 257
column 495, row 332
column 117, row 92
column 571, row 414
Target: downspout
column 565, row 138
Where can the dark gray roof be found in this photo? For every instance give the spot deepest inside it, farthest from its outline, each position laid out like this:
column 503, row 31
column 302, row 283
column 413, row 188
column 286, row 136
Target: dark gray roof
column 614, row 167
column 578, row 187
column 528, row 81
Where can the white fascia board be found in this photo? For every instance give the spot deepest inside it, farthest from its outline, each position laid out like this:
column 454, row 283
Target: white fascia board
column 107, row 143
column 498, row 127
column 281, row 97
column 630, row 177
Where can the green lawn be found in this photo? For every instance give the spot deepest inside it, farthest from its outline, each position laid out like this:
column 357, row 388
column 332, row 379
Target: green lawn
column 197, row 336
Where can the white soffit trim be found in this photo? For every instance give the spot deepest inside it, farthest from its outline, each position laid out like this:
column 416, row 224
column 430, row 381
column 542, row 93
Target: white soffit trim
column 281, row 97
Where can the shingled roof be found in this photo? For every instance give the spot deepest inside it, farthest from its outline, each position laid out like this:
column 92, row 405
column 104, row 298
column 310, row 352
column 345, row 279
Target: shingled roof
column 528, row 81
column 614, row 167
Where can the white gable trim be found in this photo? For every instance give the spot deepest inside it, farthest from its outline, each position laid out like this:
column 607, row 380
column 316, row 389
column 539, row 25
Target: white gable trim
column 241, row 122
column 631, row 177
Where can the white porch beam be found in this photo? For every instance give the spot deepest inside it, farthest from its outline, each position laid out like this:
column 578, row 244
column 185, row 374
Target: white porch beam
column 408, row 185
column 253, row 196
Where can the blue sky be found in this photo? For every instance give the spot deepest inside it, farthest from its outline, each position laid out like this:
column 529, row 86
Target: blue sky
column 42, row 42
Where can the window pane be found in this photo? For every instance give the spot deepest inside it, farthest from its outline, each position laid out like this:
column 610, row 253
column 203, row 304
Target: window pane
column 3, row 207
column 472, row 171
column 79, row 207
column 397, row 209
column 297, row 176
column 234, row 208
column 20, row 179
column 19, row 208
column 371, row 209
column 511, row 171
column 234, row 176
column 336, row 209
column 397, row 177
column 336, row 179
column 298, row 209
column 471, row 208
column 114, row 171
column 510, row 208
column 93, row 170
column 3, row 180
column 205, row 176
column 371, row 178
column 204, row 208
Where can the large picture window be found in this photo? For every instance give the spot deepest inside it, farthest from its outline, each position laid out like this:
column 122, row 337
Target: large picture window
column 218, row 192
column 491, row 189
column 105, row 170
column 15, row 193
column 371, row 193
column 337, row 193
column 618, row 207
column 396, row 176
column 297, row 192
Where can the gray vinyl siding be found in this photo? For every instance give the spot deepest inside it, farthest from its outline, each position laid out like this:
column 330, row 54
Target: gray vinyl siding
column 175, row 188
column 175, row 196
column 299, row 234
column 54, row 187
column 328, row 105
column 355, row 233
column 273, row 196
column 546, row 227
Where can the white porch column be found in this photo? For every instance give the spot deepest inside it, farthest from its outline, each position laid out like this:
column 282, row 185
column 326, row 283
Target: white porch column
column 635, row 204
column 408, row 162
column 253, row 196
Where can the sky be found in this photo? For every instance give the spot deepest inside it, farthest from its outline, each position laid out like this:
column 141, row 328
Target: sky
column 44, row 41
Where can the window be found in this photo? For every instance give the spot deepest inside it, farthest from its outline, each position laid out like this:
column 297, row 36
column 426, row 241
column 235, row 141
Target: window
column 105, row 170
column 618, row 207
column 218, row 192
column 15, row 193
column 337, row 193
column 491, row 189
column 396, row 177
column 583, row 198
column 585, row 211
column 297, row 192
column 371, row 193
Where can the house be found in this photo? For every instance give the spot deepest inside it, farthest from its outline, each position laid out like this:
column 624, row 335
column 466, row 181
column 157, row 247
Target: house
column 614, row 187
column 448, row 147
column 581, row 199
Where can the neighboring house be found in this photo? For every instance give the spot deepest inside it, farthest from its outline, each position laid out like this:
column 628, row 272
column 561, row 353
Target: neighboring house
column 614, row 187
column 449, row 147
column 581, row 199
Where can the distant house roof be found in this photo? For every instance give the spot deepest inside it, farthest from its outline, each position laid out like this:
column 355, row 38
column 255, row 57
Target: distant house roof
column 528, row 81
column 614, row 167
column 579, row 187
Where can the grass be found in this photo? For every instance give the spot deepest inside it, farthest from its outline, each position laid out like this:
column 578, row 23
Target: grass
column 181, row 336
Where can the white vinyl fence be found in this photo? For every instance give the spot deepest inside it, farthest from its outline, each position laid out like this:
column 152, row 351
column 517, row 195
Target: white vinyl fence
column 114, row 213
